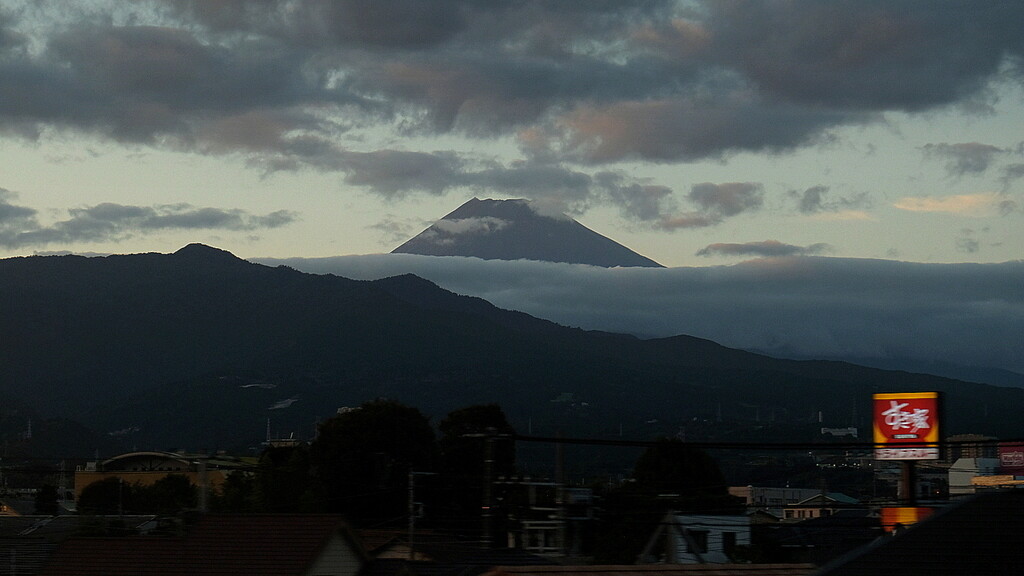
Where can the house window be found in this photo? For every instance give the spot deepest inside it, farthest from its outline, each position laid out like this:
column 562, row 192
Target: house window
column 697, row 543
column 728, row 542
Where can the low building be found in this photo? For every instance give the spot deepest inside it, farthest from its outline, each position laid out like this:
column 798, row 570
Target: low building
column 963, row 472
column 819, row 505
column 772, row 500
column 145, row 468
column 697, row 539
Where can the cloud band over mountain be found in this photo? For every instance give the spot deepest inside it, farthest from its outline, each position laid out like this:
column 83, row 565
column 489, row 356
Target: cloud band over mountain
column 971, row 314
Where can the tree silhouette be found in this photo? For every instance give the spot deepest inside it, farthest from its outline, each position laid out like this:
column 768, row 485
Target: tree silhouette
column 671, row 476
column 283, row 481
column 465, row 435
column 108, row 496
column 47, row 500
column 236, row 494
column 362, row 458
column 169, row 495
column 675, row 467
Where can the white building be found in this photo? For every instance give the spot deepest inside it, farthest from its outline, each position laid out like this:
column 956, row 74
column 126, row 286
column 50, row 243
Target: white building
column 698, row 539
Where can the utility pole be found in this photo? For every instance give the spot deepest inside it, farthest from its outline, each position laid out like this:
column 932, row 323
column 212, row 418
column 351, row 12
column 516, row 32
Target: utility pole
column 412, row 510
column 486, row 513
column 490, row 435
column 204, row 485
column 560, row 495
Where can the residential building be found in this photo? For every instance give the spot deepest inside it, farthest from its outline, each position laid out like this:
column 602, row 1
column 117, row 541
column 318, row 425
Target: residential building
column 818, row 506
column 697, row 539
column 963, row 472
column 769, row 499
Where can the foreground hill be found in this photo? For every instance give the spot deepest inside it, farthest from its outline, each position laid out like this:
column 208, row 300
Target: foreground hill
column 199, row 349
column 514, row 230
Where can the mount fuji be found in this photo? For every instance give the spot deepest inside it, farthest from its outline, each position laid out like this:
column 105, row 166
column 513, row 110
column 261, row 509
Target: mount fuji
column 516, row 230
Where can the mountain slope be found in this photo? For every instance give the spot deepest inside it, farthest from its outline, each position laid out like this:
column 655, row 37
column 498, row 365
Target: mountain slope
column 513, row 230
column 199, row 348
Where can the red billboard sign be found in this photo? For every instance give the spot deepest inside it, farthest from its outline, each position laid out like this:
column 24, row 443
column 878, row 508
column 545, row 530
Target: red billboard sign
column 1011, row 458
column 906, row 426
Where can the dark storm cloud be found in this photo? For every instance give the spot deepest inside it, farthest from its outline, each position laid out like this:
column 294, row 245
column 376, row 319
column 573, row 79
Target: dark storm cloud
column 641, row 200
column 966, row 242
column 410, row 24
column 715, row 203
column 8, row 37
column 144, row 83
column 115, row 222
column 687, row 129
column 1007, row 207
column 728, row 199
column 481, row 67
column 485, row 94
column 971, row 314
column 964, row 158
column 530, row 179
column 878, row 55
column 769, row 248
column 576, row 82
column 393, row 173
column 813, row 201
column 1012, row 173
column 12, row 215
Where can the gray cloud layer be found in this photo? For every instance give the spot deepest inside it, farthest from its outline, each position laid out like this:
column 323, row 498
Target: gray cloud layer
column 967, row 313
column 772, row 248
column 114, row 222
column 577, row 84
column 813, row 200
column 964, row 158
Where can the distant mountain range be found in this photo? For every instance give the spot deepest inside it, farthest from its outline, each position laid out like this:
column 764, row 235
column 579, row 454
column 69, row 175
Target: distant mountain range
column 515, row 230
column 199, row 349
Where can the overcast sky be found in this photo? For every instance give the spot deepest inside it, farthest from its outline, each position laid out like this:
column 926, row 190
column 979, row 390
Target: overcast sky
column 696, row 133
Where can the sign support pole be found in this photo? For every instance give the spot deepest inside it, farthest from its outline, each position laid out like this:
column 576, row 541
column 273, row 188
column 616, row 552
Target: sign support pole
column 908, row 483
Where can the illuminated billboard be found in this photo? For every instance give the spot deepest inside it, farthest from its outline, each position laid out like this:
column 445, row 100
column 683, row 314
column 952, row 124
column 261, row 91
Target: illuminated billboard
column 906, row 426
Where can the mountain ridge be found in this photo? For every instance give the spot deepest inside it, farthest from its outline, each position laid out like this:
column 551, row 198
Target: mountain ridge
column 199, row 347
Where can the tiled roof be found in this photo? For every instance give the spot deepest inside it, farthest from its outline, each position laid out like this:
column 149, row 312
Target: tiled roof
column 444, row 548
column 254, row 545
column 23, row 556
column 59, row 528
column 658, row 570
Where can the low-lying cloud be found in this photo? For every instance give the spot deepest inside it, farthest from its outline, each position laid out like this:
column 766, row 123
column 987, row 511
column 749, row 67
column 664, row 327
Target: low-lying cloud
column 972, row 314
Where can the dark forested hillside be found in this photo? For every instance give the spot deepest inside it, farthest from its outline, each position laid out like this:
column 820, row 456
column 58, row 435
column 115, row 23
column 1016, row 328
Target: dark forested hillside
column 200, row 349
